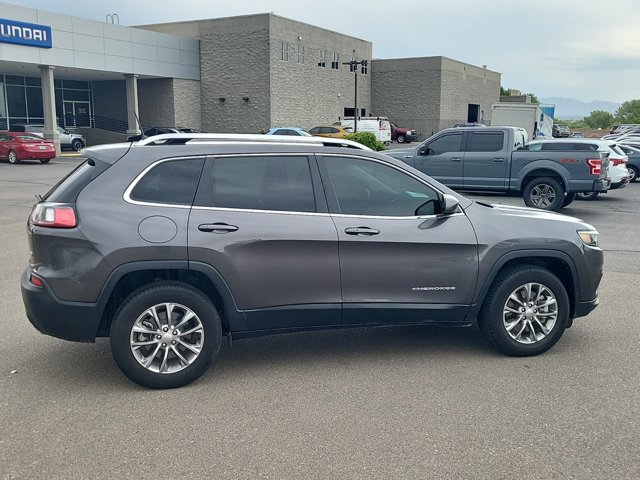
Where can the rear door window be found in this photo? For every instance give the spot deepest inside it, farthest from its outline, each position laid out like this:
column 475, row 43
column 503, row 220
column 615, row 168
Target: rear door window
column 172, row 182
column 485, row 142
column 277, row 183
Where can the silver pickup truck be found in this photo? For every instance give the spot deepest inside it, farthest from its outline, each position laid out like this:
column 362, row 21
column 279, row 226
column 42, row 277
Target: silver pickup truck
column 496, row 159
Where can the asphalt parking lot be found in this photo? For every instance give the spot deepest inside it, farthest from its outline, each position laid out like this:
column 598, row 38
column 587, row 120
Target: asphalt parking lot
column 419, row 402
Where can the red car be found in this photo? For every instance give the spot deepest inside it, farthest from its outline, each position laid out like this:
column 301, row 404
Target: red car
column 17, row 146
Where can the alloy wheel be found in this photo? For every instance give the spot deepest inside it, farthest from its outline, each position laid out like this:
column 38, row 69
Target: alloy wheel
column 530, row 313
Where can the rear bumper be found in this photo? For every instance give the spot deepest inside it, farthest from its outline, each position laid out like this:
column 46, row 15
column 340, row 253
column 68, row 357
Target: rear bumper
column 75, row 321
column 38, row 155
column 621, row 184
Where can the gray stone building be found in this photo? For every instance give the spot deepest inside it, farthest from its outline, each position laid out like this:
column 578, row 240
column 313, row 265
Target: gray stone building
column 261, row 71
column 236, row 74
column 432, row 93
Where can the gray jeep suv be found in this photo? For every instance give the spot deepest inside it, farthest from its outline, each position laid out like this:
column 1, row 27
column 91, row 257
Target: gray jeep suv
column 168, row 244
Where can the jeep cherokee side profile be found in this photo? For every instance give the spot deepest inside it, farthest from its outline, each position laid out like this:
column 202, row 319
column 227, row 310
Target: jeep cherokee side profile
column 169, row 244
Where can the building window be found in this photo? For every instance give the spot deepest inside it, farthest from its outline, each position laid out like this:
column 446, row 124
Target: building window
column 284, row 51
column 300, row 53
column 352, row 65
column 321, row 60
column 364, row 69
column 335, row 62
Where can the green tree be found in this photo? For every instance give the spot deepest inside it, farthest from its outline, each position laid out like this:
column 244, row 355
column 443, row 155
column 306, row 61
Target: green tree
column 629, row 112
column 505, row 92
column 599, row 119
column 534, row 97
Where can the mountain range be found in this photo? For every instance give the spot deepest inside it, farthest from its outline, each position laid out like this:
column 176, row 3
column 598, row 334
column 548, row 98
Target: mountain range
column 572, row 109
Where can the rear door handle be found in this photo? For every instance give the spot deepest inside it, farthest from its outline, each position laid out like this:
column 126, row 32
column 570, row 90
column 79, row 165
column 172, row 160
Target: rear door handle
column 363, row 231
column 456, row 159
column 217, row 227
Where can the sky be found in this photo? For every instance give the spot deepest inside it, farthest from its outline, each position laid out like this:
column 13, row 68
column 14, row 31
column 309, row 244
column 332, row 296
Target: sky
column 584, row 50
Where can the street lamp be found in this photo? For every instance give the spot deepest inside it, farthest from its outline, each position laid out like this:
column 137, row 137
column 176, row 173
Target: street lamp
column 354, row 64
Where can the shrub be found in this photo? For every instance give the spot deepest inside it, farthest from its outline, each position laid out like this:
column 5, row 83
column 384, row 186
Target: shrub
column 366, row 138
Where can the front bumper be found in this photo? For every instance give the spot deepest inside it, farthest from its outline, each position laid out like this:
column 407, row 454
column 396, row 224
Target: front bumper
column 77, row 321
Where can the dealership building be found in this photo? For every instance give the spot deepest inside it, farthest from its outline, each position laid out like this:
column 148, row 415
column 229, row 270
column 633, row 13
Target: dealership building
column 237, row 74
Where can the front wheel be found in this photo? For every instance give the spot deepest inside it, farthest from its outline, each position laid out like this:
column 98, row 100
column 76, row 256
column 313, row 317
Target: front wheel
column 77, row 145
column 165, row 335
column 545, row 193
column 400, row 139
column 633, row 174
column 526, row 312
column 587, row 195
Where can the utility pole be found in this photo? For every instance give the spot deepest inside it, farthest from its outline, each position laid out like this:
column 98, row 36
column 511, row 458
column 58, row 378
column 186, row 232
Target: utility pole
column 354, row 64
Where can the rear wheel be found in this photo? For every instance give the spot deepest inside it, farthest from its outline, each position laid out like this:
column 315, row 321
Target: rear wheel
column 13, row 157
column 587, row 195
column 400, row 139
column 526, row 312
column 545, row 193
column 45, row 160
column 165, row 335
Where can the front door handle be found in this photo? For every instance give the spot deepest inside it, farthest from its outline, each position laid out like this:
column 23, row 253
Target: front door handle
column 217, row 228
column 364, row 231
column 456, row 159
column 498, row 160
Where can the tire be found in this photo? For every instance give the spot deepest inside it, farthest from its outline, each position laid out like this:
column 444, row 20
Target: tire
column 13, row 157
column 185, row 356
column 500, row 315
column 45, row 160
column 568, row 198
column 587, row 195
column 633, row 174
column 400, row 139
column 77, row 144
column 545, row 193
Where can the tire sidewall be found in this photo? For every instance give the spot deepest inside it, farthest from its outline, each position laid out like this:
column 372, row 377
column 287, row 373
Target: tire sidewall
column 502, row 338
column 141, row 300
column 553, row 183
column 15, row 157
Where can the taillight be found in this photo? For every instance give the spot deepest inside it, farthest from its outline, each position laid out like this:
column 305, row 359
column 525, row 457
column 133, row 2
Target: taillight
column 617, row 161
column 33, row 280
column 52, row 215
column 595, row 166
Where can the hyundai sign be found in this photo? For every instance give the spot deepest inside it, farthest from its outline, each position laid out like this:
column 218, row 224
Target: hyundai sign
column 22, row 33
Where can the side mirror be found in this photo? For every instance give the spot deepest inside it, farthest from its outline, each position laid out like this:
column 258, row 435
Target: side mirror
column 422, row 151
column 449, row 204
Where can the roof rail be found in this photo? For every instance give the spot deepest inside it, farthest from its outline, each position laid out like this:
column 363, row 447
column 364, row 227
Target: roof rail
column 184, row 138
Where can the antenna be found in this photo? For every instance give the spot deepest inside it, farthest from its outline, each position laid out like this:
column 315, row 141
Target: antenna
column 142, row 135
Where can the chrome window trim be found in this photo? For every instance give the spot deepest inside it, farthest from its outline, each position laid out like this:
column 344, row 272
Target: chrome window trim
column 252, row 210
column 127, row 193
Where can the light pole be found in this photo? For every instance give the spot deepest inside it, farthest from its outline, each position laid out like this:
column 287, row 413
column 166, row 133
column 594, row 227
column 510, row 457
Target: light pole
column 354, row 64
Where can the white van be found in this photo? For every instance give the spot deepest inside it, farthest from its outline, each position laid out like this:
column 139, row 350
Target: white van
column 379, row 126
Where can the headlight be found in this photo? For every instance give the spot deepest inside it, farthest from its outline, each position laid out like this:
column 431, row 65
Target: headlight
column 589, row 237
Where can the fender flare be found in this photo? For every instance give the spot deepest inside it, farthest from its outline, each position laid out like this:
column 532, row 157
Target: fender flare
column 523, row 254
